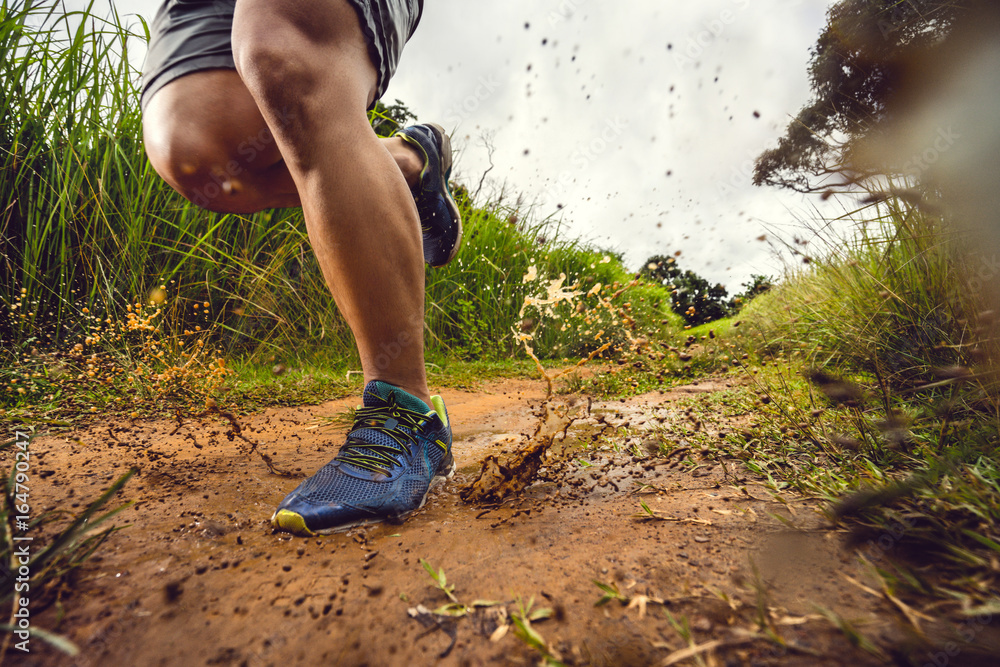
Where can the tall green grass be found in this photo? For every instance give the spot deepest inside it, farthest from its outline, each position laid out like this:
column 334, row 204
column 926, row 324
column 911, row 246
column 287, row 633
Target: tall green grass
column 87, row 223
column 87, row 228
column 896, row 324
column 900, row 295
column 474, row 303
column 71, row 173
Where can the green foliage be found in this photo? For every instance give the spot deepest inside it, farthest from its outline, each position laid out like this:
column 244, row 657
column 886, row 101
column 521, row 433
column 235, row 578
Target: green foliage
column 90, row 227
column 901, row 299
column 758, row 284
column 853, row 70
column 474, row 303
column 692, row 297
column 698, row 301
column 386, row 119
column 65, row 176
column 440, row 580
column 89, row 231
column 895, row 328
column 610, row 591
column 524, row 630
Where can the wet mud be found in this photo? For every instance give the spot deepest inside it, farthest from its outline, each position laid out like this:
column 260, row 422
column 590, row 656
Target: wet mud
column 199, row 578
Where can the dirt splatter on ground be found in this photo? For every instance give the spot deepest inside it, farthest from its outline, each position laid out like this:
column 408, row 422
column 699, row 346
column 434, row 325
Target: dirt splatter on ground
column 200, row 578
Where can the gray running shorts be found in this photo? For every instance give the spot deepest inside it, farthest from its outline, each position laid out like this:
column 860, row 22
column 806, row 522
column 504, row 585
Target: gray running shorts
column 192, row 35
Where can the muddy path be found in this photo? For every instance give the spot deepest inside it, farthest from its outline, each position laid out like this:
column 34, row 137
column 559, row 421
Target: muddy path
column 200, row 578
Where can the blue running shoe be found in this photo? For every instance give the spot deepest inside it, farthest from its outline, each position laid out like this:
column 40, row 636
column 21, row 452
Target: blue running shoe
column 398, row 449
column 440, row 220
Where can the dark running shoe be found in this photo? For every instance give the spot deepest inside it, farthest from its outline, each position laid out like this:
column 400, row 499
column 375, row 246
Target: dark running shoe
column 440, row 220
column 398, row 449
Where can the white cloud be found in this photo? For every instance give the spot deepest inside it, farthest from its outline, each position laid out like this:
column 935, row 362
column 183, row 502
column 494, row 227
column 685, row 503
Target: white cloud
column 688, row 110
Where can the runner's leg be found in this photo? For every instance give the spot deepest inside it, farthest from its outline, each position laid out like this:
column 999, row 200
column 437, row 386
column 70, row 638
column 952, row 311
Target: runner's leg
column 307, row 67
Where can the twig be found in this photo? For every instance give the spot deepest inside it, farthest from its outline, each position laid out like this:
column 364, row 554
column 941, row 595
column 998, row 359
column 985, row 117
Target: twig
column 698, row 649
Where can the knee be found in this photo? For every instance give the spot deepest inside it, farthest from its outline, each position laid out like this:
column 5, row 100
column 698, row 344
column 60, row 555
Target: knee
column 202, row 171
column 195, row 174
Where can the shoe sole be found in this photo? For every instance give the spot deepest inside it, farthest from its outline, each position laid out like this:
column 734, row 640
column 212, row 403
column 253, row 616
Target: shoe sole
column 446, row 162
column 294, row 523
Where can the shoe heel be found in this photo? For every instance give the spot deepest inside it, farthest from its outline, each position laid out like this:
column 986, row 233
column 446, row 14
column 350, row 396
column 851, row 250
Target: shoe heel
column 445, row 150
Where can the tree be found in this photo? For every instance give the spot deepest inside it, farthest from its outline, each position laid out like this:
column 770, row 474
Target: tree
column 758, row 284
column 854, row 69
column 691, row 296
column 660, row 269
column 386, row 119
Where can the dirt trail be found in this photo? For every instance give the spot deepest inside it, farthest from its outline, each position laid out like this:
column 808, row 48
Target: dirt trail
column 199, row 577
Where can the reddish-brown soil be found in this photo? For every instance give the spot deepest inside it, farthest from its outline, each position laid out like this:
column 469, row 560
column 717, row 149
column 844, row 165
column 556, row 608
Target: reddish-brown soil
column 199, row 577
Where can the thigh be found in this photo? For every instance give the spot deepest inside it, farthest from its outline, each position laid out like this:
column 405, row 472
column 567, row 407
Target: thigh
column 306, row 64
column 375, row 29
column 210, row 109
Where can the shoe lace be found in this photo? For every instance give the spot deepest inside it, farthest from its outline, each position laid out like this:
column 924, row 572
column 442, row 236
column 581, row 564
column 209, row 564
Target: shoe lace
column 384, row 419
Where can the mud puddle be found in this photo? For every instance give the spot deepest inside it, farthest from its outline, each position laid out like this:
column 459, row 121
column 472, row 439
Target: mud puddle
column 199, row 578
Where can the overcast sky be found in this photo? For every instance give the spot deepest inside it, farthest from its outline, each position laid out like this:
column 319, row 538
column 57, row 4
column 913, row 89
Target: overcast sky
column 640, row 118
